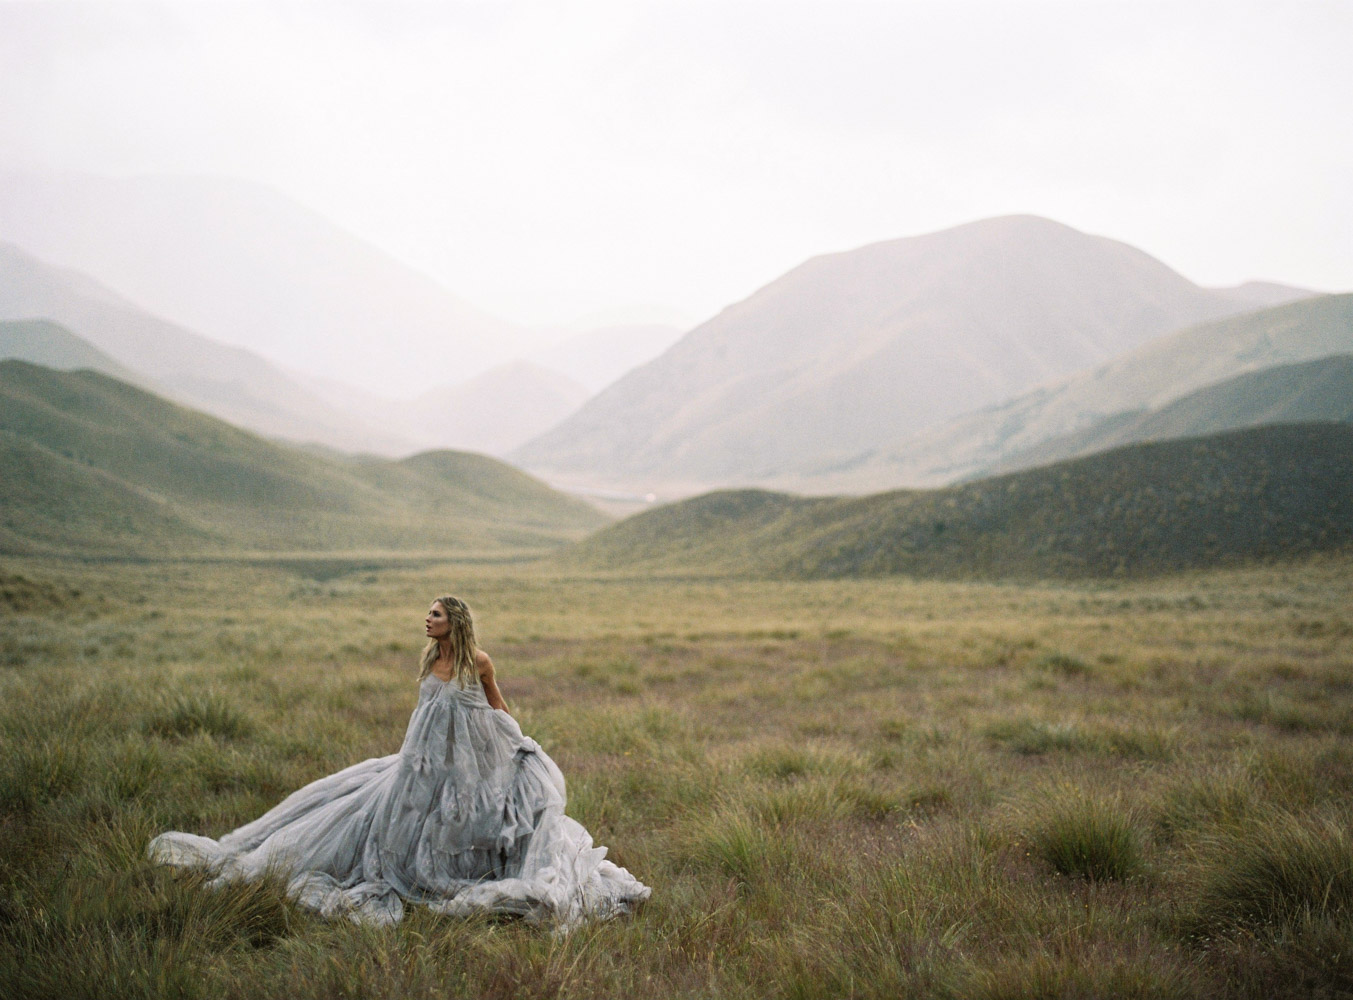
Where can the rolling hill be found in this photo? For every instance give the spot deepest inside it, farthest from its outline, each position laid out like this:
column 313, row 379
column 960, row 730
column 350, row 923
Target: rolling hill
column 93, row 465
column 229, row 382
column 851, row 352
column 1145, row 379
column 1263, row 493
column 245, row 265
column 1307, row 392
column 53, row 346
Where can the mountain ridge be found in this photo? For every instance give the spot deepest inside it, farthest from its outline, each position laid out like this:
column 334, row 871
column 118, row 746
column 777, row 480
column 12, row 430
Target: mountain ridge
column 1148, row 377
column 246, row 265
column 915, row 330
column 230, row 382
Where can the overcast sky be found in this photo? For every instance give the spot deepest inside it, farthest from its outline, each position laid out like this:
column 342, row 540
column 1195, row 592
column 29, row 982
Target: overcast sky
column 553, row 161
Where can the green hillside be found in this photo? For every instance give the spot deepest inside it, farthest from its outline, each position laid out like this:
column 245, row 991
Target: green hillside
column 46, row 343
column 92, row 464
column 987, row 441
column 1257, row 494
column 1311, row 391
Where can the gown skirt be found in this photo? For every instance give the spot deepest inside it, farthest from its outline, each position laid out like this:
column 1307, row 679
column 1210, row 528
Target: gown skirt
column 467, row 818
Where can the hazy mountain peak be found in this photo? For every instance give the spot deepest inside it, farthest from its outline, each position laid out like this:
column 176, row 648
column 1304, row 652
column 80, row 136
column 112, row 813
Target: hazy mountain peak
column 242, row 263
column 227, row 381
column 850, row 351
column 497, row 410
column 512, row 379
column 599, row 356
column 1262, row 294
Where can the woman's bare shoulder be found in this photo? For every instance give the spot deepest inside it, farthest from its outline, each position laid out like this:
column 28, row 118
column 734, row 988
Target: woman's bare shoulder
column 482, row 662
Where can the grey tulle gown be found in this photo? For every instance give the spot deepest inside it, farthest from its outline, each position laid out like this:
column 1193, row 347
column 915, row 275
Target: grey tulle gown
column 467, row 818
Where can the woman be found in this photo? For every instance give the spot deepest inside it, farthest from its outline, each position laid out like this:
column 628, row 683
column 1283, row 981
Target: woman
column 467, row 818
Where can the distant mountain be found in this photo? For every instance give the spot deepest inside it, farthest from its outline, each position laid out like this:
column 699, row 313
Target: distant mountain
column 229, row 382
column 596, row 358
column 1263, row 493
column 1264, row 294
column 1147, row 378
column 1308, row 392
column 492, row 412
column 93, row 465
column 496, row 411
column 850, row 352
column 49, row 344
column 243, row 264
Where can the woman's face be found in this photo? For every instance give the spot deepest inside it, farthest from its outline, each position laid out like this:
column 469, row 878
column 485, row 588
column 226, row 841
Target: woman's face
column 438, row 625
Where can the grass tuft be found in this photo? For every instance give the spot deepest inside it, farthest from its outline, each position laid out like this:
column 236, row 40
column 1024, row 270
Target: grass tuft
column 1276, row 869
column 1064, row 664
column 1025, row 736
column 743, row 845
column 785, row 762
column 1200, row 801
column 1030, row 738
column 1087, row 837
column 34, row 773
column 208, row 713
column 1060, row 974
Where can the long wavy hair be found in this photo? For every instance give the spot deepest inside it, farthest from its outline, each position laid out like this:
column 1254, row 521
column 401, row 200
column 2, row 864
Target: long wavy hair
column 463, row 644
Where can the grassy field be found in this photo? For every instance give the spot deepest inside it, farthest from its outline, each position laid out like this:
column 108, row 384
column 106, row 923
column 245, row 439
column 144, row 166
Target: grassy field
column 835, row 788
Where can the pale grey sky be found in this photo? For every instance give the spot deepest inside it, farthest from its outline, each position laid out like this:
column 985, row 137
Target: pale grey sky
column 553, row 160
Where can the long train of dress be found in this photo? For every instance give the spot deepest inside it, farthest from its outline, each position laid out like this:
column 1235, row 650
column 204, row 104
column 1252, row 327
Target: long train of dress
column 467, row 818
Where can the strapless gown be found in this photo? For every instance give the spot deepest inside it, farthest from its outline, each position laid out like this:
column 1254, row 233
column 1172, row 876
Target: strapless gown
column 467, row 818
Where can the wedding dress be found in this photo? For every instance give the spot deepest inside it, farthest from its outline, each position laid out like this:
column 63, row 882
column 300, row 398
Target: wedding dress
column 467, row 818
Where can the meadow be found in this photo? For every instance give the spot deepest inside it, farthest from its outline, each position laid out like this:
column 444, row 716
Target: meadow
column 836, row 788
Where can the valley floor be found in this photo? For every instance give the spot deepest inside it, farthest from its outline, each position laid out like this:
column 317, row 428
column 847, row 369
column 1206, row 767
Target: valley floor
column 835, row 788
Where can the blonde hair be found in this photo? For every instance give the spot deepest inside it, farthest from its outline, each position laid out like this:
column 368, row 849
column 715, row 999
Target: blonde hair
column 462, row 640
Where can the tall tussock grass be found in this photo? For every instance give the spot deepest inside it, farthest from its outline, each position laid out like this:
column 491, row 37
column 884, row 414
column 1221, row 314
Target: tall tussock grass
column 1085, row 835
column 1276, row 869
column 738, row 843
column 1206, row 800
column 1030, row 737
column 901, row 931
column 1050, row 972
column 134, row 931
column 36, row 772
column 208, row 712
column 1064, row 664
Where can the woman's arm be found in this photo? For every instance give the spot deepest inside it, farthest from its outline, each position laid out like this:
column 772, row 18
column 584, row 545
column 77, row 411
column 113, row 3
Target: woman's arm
column 491, row 692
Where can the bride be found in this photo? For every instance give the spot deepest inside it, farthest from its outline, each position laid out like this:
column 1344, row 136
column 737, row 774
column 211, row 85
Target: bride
column 467, row 818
